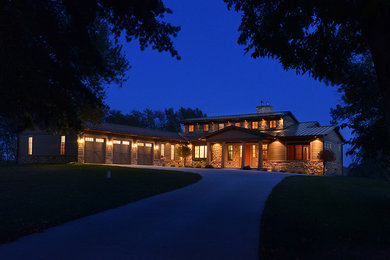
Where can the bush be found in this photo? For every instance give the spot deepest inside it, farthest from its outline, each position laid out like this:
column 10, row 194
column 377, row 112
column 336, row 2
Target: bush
column 209, row 166
column 197, row 164
column 172, row 165
column 274, row 169
column 246, row 167
column 163, row 164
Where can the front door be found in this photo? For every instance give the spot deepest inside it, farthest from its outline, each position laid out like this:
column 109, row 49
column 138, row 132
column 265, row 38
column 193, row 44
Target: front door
column 247, row 155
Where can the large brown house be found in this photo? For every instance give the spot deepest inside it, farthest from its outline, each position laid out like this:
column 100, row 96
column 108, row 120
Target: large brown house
column 267, row 140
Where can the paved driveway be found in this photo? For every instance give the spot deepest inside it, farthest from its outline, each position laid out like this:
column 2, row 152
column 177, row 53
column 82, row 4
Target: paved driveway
column 215, row 218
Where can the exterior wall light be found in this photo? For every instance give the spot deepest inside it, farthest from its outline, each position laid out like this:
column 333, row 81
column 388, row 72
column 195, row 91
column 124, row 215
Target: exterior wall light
column 80, row 140
column 109, row 142
column 134, row 145
column 156, row 147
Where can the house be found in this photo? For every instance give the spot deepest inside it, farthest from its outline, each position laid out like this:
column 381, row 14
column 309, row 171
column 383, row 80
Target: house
column 266, row 140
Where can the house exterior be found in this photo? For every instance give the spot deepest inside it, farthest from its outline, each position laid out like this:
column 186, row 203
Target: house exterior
column 266, row 140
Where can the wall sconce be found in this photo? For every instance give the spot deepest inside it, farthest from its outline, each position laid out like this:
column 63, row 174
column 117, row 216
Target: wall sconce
column 80, row 140
column 156, row 147
column 109, row 142
column 134, row 145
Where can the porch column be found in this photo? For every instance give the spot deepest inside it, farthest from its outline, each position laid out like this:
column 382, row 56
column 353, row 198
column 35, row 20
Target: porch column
column 208, row 153
column 223, row 155
column 260, row 155
column 243, row 155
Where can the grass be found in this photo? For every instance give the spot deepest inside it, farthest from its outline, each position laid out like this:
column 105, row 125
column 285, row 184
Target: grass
column 309, row 217
column 35, row 197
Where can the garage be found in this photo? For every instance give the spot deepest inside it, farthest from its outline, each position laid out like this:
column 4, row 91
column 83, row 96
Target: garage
column 145, row 153
column 95, row 150
column 121, row 152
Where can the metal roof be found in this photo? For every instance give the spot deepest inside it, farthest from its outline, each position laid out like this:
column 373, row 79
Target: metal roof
column 132, row 130
column 240, row 116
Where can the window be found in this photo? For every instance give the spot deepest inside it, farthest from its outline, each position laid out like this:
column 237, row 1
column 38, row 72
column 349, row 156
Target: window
column 272, row 124
column 99, row 140
column 148, row 145
column 298, row 152
column 172, row 152
column 184, row 128
column 230, row 152
column 30, row 145
column 140, row 144
column 255, row 125
column 205, row 127
column 191, row 128
column 240, row 151
column 221, row 126
column 62, row 146
column 238, row 124
column 200, row 151
column 265, row 152
column 162, row 150
column 254, row 151
column 88, row 139
column 116, row 142
column 126, row 142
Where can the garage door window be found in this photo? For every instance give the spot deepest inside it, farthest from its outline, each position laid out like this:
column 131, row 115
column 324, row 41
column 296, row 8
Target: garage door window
column 126, row 142
column 116, row 142
column 88, row 139
column 148, row 145
column 99, row 140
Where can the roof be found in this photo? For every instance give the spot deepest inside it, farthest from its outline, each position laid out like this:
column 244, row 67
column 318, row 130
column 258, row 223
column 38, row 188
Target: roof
column 133, row 130
column 305, row 129
column 232, row 127
column 239, row 117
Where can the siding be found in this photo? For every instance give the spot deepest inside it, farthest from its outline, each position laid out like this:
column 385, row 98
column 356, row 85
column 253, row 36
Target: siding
column 335, row 141
column 277, row 151
column 316, row 147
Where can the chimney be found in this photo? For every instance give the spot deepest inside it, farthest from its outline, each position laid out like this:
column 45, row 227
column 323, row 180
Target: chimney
column 264, row 108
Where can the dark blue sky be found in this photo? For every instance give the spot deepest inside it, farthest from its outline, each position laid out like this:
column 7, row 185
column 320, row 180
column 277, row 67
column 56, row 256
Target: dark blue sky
column 214, row 73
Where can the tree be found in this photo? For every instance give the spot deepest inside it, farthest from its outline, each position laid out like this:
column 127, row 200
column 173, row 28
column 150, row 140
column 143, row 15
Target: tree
column 58, row 56
column 184, row 152
column 322, row 38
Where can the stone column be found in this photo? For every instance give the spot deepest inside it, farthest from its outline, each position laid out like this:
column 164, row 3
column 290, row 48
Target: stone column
column 208, row 153
column 243, row 155
column 260, row 155
column 134, row 152
column 109, row 150
column 80, row 149
column 223, row 155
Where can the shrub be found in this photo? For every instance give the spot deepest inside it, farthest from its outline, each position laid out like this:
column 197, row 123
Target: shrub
column 184, row 152
column 172, row 165
column 326, row 156
column 163, row 164
column 209, row 166
column 197, row 164
column 246, row 167
column 274, row 169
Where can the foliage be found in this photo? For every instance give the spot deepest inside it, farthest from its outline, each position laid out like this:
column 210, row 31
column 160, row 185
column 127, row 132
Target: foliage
column 58, row 56
column 325, row 39
column 8, row 142
column 326, row 155
column 156, row 119
column 183, row 151
column 200, row 164
column 369, row 169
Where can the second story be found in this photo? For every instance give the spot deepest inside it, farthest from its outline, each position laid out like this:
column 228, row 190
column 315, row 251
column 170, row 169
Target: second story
column 265, row 119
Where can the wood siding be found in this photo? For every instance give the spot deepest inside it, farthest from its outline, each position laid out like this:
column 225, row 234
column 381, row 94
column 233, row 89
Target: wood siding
column 316, row 147
column 277, row 151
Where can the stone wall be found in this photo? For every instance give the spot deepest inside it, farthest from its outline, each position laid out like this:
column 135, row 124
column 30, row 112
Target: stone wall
column 308, row 167
column 333, row 168
column 236, row 162
column 216, row 155
column 25, row 159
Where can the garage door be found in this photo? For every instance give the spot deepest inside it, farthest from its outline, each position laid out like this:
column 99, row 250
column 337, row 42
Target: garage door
column 121, row 152
column 145, row 153
column 95, row 150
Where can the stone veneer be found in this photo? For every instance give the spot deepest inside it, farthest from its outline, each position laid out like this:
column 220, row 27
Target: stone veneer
column 308, row 167
column 333, row 168
column 48, row 158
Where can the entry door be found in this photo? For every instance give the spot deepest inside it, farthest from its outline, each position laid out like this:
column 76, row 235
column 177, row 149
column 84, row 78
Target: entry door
column 247, row 155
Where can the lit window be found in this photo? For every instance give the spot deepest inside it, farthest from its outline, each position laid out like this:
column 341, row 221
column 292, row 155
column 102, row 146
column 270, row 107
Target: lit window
column 265, row 152
column 62, row 146
column 116, row 142
column 30, row 145
column 191, row 128
column 140, row 144
column 221, row 126
column 200, row 151
column 255, row 125
column 126, row 142
column 148, row 145
column 272, row 124
column 184, row 128
column 238, row 124
column 298, row 152
column 253, row 151
column 240, row 151
column 230, row 152
column 172, row 152
column 89, row 139
column 99, row 140
column 162, row 149
column 205, row 127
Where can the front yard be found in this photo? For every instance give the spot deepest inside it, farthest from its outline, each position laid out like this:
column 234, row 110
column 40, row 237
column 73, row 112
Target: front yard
column 308, row 217
column 35, row 197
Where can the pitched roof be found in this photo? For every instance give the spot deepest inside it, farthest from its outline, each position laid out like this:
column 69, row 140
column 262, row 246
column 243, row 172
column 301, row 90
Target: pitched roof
column 132, row 130
column 232, row 127
column 239, row 117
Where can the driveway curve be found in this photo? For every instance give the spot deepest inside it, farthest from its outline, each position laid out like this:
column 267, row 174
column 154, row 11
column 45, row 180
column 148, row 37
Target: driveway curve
column 215, row 218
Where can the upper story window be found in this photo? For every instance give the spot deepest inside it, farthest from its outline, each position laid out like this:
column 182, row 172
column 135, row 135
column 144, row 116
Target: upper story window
column 255, row 125
column 272, row 124
column 221, row 126
column 205, row 127
column 62, row 146
column 238, row 124
column 230, row 152
column 298, row 152
column 191, row 128
column 30, row 146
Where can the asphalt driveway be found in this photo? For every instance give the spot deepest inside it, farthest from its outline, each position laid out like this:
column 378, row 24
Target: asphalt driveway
column 215, row 218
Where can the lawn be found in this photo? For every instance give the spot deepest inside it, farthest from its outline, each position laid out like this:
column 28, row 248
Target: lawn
column 308, row 217
column 35, row 197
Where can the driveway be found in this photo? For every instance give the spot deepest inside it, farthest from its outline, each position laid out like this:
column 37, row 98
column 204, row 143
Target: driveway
column 215, row 218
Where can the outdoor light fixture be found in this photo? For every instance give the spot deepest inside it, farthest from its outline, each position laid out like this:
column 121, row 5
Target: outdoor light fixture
column 81, row 140
column 109, row 142
column 156, row 147
column 134, row 145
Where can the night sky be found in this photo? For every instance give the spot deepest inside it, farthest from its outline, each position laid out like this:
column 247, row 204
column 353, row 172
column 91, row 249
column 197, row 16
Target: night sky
column 215, row 74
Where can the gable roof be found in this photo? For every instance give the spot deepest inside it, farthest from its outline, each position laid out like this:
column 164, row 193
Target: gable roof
column 133, row 130
column 239, row 117
column 235, row 128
